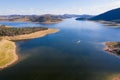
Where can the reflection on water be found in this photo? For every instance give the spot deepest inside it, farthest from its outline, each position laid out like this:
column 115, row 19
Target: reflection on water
column 74, row 53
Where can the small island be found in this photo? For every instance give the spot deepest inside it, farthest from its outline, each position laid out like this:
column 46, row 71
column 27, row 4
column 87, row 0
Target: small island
column 113, row 47
column 9, row 34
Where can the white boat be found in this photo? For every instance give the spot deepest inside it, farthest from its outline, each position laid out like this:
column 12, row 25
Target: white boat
column 78, row 41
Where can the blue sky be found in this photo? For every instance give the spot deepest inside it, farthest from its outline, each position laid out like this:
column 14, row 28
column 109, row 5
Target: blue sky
column 57, row 6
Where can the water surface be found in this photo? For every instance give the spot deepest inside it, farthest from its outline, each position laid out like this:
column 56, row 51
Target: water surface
column 74, row 53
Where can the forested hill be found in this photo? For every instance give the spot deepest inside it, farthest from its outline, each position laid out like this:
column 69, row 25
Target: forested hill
column 112, row 15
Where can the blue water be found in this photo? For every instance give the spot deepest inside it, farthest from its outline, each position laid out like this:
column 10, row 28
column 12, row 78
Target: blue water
column 74, row 53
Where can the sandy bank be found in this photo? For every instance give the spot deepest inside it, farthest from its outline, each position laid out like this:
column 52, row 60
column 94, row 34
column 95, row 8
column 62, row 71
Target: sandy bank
column 7, row 53
column 31, row 35
column 8, row 48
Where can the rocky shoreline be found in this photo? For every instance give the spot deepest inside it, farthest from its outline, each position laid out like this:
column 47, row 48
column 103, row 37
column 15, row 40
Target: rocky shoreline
column 113, row 47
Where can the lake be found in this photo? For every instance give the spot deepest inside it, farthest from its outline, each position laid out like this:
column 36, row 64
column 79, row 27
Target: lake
column 74, row 53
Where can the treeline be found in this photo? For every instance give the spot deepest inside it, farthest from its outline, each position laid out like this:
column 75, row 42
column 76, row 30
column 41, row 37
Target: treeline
column 12, row 31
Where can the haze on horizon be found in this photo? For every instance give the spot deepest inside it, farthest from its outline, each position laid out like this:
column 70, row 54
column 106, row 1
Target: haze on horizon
column 28, row 7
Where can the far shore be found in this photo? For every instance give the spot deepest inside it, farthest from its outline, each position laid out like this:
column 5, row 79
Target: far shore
column 110, row 23
column 47, row 22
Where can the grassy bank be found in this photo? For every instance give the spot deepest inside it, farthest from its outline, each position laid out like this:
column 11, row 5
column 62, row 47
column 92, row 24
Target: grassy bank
column 8, row 48
column 7, row 53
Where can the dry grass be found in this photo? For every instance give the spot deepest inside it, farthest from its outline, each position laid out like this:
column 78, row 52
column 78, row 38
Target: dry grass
column 7, row 53
column 112, row 44
column 8, row 48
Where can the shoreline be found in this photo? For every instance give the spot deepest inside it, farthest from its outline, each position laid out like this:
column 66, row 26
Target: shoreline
column 31, row 35
column 12, row 51
column 115, row 76
column 110, row 24
column 55, row 22
column 8, row 48
column 113, row 48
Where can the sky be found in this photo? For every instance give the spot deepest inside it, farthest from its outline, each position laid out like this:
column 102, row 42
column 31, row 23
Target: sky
column 38, row 7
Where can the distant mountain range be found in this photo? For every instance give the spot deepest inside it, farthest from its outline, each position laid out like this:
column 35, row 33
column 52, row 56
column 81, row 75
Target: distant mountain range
column 112, row 15
column 46, row 18
column 22, row 16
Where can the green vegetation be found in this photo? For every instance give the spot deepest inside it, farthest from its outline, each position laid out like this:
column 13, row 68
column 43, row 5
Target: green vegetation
column 12, row 31
column 112, row 15
column 8, row 48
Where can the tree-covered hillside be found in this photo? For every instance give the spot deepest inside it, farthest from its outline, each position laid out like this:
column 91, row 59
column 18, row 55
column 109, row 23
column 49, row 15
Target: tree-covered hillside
column 112, row 15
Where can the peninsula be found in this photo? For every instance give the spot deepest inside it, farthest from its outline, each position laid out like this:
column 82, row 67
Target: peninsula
column 7, row 53
column 9, row 34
